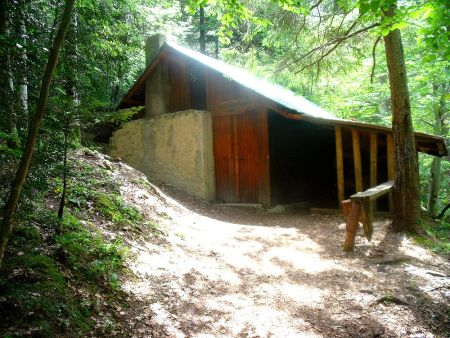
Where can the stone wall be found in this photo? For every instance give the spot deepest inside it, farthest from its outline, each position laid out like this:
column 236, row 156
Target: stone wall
column 174, row 148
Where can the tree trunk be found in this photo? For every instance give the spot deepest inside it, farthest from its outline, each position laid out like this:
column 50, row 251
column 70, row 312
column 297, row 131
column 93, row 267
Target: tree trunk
column 202, row 38
column 216, row 47
column 22, row 81
column 62, row 202
column 22, row 170
column 3, row 15
column 3, row 51
column 6, row 77
column 439, row 128
column 435, row 182
column 10, row 111
column 71, row 58
column 406, row 193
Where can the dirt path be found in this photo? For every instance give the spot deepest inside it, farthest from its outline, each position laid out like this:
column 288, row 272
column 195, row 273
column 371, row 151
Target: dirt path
column 238, row 272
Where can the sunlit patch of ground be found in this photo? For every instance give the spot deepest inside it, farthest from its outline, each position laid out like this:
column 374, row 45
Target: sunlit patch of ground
column 228, row 271
column 239, row 272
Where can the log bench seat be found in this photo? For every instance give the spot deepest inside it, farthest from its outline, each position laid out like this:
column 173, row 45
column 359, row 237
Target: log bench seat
column 360, row 207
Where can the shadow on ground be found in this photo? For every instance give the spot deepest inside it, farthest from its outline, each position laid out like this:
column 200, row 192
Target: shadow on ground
column 246, row 272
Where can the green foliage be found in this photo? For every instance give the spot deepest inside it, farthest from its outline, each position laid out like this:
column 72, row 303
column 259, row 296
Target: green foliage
column 113, row 207
column 74, row 256
column 92, row 189
column 438, row 239
column 5, row 149
column 122, row 115
column 230, row 14
column 35, row 298
column 78, row 192
column 444, row 191
column 88, row 252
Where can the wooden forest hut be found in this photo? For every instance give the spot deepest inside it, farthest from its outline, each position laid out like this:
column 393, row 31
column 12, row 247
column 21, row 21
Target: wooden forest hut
column 222, row 134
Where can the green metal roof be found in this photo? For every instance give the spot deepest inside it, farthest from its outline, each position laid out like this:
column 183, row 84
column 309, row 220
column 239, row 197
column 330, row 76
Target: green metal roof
column 269, row 90
column 431, row 144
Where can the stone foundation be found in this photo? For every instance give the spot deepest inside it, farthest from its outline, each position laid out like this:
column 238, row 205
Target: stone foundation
column 175, row 148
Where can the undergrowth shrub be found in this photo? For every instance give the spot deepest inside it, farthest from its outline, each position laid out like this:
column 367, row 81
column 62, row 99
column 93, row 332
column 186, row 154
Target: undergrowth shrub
column 115, row 209
column 34, row 298
column 438, row 239
column 89, row 253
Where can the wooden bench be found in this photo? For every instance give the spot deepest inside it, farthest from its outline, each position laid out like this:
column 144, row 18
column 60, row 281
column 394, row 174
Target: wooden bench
column 361, row 206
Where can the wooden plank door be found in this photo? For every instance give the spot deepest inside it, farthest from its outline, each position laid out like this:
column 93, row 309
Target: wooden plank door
column 236, row 157
column 247, row 155
column 224, row 158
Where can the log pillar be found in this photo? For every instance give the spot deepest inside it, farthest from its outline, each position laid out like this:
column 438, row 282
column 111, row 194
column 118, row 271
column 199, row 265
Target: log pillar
column 373, row 158
column 357, row 161
column 339, row 164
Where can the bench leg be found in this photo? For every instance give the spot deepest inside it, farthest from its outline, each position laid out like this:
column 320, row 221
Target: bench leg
column 367, row 219
column 351, row 227
column 346, row 208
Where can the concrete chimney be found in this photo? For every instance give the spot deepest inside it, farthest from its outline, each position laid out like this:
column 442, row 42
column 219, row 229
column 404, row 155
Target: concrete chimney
column 157, row 84
column 152, row 46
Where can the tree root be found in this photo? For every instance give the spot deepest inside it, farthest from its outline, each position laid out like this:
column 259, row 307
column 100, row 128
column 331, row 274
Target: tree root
column 390, row 300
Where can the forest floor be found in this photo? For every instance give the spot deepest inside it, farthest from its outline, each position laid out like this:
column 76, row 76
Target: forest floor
column 245, row 272
column 209, row 270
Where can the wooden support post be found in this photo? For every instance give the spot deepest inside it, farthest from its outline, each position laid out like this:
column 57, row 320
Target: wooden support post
column 373, row 158
column 357, row 160
column 367, row 218
column 390, row 165
column 346, row 208
column 339, row 165
column 351, row 227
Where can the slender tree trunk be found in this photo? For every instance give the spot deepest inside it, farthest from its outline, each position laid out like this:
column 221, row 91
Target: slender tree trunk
column 10, row 111
column 439, row 129
column 22, row 81
column 22, row 171
column 435, row 182
column 406, row 194
column 3, row 52
column 6, row 76
column 3, row 15
column 71, row 58
column 216, row 47
column 62, row 202
column 202, row 38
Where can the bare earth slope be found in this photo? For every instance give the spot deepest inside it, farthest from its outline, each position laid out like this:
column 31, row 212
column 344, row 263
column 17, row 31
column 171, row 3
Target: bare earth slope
column 236, row 272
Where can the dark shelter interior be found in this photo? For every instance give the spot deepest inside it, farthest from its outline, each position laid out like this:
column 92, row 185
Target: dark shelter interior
column 302, row 162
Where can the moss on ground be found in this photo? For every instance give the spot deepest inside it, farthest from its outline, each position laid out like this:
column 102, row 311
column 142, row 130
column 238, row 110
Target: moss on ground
column 88, row 253
column 438, row 236
column 35, row 298
column 60, row 277
column 115, row 209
